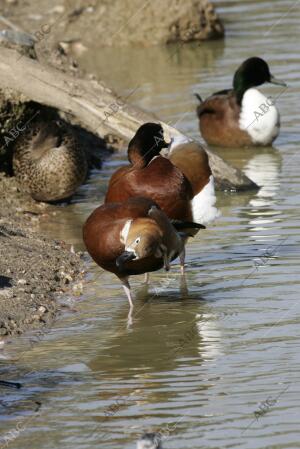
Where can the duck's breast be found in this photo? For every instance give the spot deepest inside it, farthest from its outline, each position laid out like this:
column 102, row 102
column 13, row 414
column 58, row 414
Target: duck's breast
column 203, row 204
column 259, row 117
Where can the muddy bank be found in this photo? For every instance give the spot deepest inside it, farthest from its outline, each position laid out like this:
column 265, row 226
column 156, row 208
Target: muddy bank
column 117, row 23
column 33, row 269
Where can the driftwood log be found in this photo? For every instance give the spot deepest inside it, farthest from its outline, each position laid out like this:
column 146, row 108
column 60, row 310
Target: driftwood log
column 94, row 106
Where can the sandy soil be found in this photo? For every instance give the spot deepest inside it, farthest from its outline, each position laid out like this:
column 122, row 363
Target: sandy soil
column 33, row 269
column 116, row 23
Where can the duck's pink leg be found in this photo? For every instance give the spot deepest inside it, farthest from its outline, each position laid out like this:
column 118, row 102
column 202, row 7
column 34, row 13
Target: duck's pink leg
column 127, row 290
column 182, row 260
column 147, row 276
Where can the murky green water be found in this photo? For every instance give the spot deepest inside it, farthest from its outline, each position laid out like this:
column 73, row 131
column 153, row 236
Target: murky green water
column 214, row 367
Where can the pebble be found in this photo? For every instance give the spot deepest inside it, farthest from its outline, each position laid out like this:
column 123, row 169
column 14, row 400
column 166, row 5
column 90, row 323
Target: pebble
column 21, row 282
column 77, row 289
column 57, row 9
column 42, row 309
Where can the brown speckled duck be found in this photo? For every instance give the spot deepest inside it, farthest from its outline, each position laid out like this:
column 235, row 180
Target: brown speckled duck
column 48, row 162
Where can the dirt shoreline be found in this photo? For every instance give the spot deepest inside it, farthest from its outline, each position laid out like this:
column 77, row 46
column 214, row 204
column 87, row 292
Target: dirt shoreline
column 129, row 22
column 34, row 270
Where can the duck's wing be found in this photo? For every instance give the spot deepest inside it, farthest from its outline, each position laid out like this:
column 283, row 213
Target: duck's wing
column 39, row 138
column 117, row 187
column 189, row 228
column 180, row 225
column 223, row 92
column 216, row 103
column 192, row 161
column 160, row 180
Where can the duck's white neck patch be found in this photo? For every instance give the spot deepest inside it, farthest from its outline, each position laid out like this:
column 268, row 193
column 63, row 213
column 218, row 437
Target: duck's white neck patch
column 125, row 231
column 259, row 117
column 203, row 204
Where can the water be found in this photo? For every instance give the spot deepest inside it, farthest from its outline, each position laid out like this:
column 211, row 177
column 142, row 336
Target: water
column 214, row 367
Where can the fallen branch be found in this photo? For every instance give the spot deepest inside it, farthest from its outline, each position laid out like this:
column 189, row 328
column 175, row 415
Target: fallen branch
column 94, row 106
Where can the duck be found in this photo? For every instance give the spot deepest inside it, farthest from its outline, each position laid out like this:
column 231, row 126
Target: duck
column 150, row 440
column 181, row 184
column 134, row 237
column 241, row 116
column 48, row 162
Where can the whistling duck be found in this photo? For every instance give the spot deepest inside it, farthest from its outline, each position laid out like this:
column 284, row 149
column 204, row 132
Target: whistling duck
column 182, row 185
column 48, row 162
column 134, row 237
column 149, row 441
column 241, row 116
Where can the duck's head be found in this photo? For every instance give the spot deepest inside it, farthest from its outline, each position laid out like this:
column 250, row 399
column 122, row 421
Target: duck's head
column 146, row 144
column 253, row 72
column 149, row 441
column 142, row 238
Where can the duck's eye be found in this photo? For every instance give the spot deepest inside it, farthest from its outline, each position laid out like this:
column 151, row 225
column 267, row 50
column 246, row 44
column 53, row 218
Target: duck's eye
column 137, row 241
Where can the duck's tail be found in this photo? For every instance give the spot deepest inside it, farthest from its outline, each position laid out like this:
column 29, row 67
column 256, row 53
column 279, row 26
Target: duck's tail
column 181, row 225
column 186, row 229
column 198, row 98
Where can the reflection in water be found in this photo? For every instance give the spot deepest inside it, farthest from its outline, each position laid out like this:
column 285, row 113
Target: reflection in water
column 264, row 169
column 158, row 71
column 210, row 333
column 135, row 368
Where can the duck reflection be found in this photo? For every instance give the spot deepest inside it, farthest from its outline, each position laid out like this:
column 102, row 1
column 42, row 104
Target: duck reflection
column 264, row 169
column 261, row 165
column 167, row 326
column 156, row 362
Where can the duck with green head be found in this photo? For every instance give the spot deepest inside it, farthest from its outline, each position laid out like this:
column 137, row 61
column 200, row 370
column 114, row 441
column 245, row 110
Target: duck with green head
column 241, row 116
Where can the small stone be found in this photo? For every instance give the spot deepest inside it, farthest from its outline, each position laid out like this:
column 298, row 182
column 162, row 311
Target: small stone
column 59, row 9
column 77, row 289
column 42, row 309
column 21, row 282
column 67, row 277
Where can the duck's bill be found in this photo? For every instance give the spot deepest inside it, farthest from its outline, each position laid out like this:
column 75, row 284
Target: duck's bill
column 166, row 148
column 166, row 144
column 274, row 80
column 126, row 256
